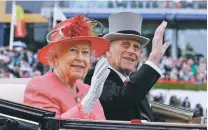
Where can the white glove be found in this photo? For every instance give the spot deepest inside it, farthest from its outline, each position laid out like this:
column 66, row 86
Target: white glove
column 101, row 73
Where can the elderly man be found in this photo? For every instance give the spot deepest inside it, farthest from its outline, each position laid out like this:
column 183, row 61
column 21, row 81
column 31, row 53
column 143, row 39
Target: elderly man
column 124, row 98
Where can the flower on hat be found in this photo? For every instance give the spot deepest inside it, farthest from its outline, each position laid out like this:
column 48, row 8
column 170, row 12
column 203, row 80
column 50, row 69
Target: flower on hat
column 74, row 27
column 78, row 27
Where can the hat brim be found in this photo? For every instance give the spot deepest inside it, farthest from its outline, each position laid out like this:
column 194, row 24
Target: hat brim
column 100, row 45
column 118, row 36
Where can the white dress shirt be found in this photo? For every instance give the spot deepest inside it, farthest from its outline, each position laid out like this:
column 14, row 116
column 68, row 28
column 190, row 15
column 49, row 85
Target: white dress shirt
column 124, row 78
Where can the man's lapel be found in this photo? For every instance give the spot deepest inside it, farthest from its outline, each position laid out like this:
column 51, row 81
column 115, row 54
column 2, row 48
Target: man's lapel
column 147, row 109
column 115, row 77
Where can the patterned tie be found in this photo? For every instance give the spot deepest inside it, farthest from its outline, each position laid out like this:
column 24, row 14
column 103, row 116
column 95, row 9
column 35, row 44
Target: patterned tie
column 126, row 82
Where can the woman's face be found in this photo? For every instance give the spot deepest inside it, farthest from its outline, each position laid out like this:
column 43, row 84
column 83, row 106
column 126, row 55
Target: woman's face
column 74, row 60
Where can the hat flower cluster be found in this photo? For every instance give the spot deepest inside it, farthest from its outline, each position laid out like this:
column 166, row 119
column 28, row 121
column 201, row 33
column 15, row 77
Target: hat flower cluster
column 78, row 27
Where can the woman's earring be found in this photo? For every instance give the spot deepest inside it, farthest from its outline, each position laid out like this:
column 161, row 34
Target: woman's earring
column 56, row 63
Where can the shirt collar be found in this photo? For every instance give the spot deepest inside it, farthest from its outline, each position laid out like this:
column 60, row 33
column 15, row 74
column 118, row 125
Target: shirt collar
column 123, row 78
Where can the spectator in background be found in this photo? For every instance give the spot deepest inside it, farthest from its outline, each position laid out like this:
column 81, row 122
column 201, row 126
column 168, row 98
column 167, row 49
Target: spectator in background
column 199, row 109
column 174, row 74
column 186, row 103
column 177, row 5
column 37, row 73
column 167, row 76
column 159, row 98
column 193, row 66
column 185, row 73
column 174, row 101
column 202, row 65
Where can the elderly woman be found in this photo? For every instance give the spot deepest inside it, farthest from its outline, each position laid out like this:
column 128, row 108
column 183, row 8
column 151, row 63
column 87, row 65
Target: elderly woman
column 70, row 54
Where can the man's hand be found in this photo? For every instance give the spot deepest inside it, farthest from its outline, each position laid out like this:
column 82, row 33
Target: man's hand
column 158, row 48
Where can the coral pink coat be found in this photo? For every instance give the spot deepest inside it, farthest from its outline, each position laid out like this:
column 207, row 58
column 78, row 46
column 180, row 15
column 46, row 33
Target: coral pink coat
column 49, row 93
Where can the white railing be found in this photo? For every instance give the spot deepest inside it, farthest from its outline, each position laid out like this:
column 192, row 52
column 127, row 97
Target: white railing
column 13, row 89
column 14, row 80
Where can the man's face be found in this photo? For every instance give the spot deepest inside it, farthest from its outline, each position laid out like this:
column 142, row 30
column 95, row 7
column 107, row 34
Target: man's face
column 124, row 55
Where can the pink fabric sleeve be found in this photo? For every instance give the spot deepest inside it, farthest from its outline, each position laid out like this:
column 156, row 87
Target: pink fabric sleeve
column 39, row 96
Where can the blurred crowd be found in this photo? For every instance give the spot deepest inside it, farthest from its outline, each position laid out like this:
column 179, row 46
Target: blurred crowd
column 21, row 62
column 178, row 102
column 190, row 69
column 158, row 4
column 135, row 4
column 18, row 63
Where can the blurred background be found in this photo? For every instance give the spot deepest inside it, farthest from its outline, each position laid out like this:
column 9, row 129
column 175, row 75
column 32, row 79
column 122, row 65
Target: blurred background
column 25, row 24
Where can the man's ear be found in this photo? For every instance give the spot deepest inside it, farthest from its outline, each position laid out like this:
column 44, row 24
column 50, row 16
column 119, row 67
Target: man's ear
column 109, row 53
